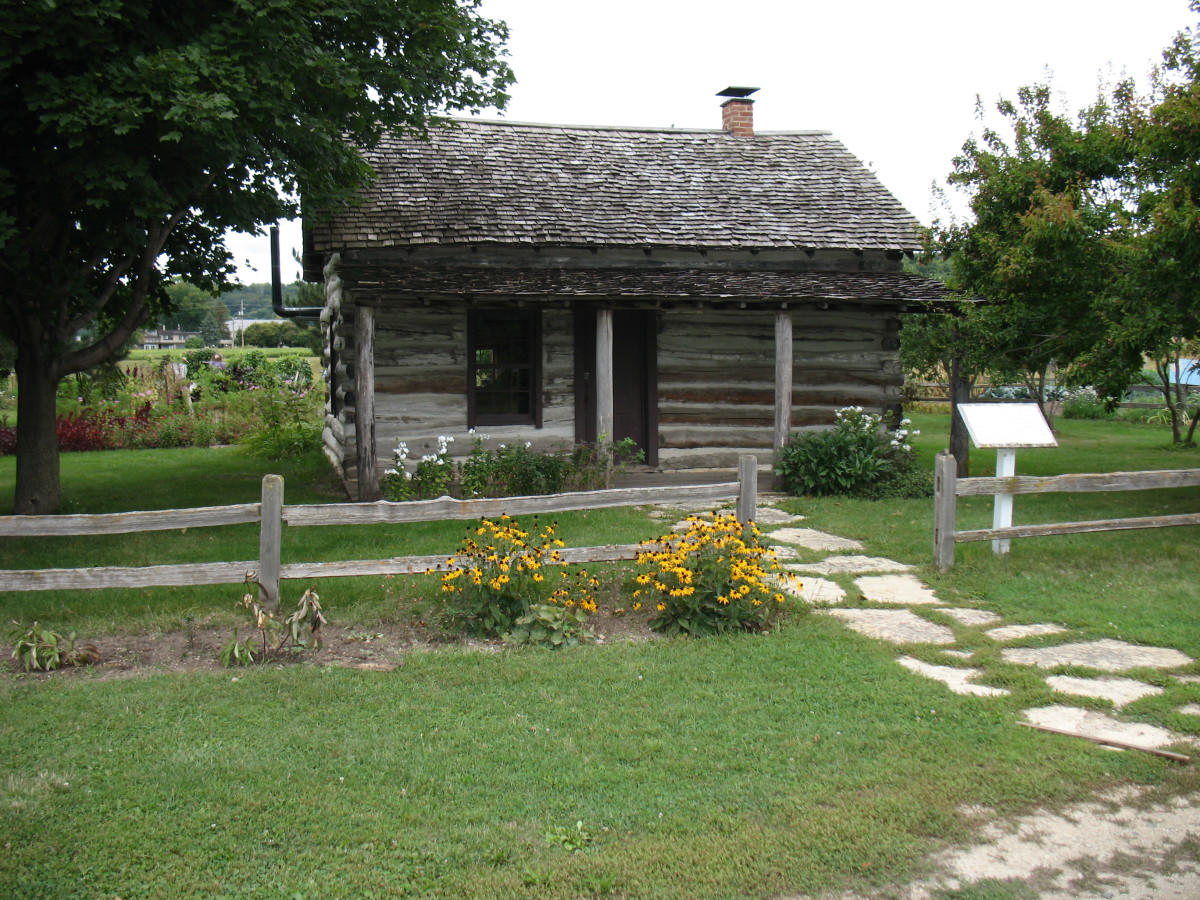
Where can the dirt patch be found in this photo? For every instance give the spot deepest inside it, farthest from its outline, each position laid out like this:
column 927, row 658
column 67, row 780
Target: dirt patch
column 381, row 646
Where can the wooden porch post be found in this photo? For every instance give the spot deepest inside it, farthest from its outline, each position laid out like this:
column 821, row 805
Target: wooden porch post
column 783, row 379
column 604, row 375
column 364, row 402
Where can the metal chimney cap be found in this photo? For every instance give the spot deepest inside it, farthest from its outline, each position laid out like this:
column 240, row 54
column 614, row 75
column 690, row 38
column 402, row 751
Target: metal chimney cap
column 739, row 92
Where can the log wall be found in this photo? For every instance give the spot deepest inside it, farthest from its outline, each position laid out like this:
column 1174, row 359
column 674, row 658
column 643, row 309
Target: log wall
column 421, row 383
column 716, row 377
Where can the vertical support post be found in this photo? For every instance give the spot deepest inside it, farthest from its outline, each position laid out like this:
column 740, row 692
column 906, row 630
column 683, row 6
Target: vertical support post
column 1002, row 504
column 945, row 510
column 747, row 503
column 364, row 402
column 783, row 379
column 604, row 375
column 270, row 540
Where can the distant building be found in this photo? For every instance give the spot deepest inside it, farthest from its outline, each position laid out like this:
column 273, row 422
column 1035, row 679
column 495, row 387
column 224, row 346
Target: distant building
column 171, row 339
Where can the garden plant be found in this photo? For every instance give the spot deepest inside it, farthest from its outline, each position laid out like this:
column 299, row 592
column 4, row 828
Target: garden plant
column 716, row 576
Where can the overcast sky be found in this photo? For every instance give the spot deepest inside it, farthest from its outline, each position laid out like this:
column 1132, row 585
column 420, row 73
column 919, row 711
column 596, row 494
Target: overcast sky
column 895, row 82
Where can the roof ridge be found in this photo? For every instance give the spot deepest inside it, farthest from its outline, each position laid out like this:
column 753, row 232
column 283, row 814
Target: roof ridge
column 814, row 132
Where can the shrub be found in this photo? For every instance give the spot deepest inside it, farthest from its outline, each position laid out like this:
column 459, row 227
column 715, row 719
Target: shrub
column 512, row 470
column 498, row 580
column 858, row 457
column 715, row 577
column 517, row 470
column 1085, row 403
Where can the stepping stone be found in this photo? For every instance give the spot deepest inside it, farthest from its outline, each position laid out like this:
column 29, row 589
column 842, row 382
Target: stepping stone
column 851, row 565
column 766, row 515
column 1121, row 691
column 1190, row 709
column 813, row 590
column 1188, row 679
column 959, row 654
column 1012, row 632
column 814, row 540
column 900, row 626
column 905, row 590
column 1107, row 655
column 958, row 680
column 783, row 551
column 1098, row 725
column 970, row 616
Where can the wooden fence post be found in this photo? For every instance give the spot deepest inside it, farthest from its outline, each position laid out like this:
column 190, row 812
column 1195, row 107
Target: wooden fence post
column 270, row 539
column 945, row 510
column 747, row 489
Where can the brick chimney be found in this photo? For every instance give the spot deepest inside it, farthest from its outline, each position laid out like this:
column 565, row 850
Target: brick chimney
column 737, row 113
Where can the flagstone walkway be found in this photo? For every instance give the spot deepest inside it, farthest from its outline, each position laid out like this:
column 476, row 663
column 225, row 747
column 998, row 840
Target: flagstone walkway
column 884, row 601
column 1084, row 851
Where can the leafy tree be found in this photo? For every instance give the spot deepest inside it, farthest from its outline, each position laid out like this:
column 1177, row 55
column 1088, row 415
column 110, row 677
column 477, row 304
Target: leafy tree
column 1047, row 202
column 185, row 306
column 212, row 330
column 134, row 134
column 276, row 334
column 1085, row 237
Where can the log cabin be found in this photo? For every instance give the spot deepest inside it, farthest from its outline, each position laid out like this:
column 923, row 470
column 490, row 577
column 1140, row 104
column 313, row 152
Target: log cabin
column 704, row 293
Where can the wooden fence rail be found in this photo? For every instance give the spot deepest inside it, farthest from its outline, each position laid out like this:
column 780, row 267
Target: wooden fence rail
column 271, row 514
column 947, row 489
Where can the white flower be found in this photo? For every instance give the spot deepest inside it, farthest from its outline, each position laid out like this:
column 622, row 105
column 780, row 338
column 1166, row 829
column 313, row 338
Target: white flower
column 390, row 472
column 471, row 431
column 528, row 444
column 502, row 446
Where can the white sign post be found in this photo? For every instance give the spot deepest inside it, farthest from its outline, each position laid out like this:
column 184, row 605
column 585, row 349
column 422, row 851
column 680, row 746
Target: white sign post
column 1005, row 427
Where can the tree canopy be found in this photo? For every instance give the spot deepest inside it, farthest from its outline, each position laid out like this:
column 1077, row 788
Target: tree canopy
column 1084, row 234
column 133, row 135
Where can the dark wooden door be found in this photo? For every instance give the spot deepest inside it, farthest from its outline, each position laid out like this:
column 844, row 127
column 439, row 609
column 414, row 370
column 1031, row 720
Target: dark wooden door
column 635, row 365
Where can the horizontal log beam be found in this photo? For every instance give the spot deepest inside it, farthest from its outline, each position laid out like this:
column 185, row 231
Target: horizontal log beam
column 124, row 523
column 1018, row 531
column 1079, row 483
column 421, row 565
column 100, row 577
column 383, row 511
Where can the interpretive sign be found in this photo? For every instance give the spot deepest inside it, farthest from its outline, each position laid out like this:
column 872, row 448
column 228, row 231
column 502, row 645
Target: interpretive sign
column 1005, row 427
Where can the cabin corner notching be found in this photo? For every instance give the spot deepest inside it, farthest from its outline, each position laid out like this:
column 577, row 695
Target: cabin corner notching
column 703, row 293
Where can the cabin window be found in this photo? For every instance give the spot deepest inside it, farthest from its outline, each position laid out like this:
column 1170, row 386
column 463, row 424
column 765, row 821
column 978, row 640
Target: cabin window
column 504, row 361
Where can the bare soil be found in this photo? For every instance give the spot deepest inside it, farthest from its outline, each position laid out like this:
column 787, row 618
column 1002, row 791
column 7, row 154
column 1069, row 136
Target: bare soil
column 380, row 647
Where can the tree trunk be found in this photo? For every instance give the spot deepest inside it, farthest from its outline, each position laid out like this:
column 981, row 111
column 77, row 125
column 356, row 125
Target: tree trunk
column 960, row 392
column 37, row 439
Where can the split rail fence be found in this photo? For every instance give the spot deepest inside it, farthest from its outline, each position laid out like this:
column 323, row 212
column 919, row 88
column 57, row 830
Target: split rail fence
column 271, row 515
column 947, row 489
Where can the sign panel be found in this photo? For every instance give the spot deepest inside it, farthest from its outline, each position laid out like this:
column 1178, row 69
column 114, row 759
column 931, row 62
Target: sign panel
column 999, row 425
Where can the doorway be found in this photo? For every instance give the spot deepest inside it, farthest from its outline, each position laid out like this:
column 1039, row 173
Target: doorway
column 635, row 378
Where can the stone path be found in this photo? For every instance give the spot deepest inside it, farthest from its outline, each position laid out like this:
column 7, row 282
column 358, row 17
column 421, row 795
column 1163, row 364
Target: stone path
column 888, row 584
column 891, row 605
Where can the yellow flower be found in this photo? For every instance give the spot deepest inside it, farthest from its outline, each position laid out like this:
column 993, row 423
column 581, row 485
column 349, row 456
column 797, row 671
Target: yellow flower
column 723, row 600
column 661, row 606
column 637, row 606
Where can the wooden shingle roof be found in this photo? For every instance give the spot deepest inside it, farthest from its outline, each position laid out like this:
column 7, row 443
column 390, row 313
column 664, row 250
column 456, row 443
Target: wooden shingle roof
column 520, row 184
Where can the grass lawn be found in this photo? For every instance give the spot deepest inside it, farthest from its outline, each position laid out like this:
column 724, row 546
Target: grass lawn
column 742, row 766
